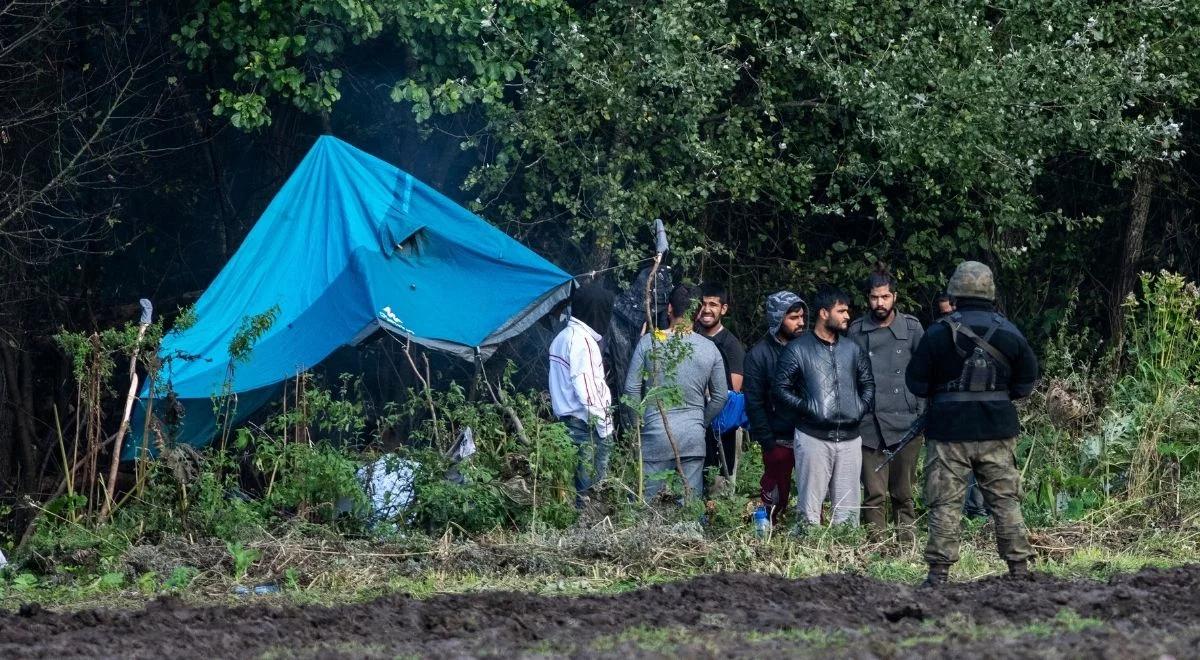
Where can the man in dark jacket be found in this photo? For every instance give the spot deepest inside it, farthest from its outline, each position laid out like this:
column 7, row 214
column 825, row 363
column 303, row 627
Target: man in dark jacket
column 971, row 366
column 889, row 339
column 824, row 383
column 769, row 427
column 943, row 306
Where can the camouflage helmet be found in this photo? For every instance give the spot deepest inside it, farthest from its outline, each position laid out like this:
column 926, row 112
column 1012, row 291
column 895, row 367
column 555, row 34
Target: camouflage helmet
column 972, row 280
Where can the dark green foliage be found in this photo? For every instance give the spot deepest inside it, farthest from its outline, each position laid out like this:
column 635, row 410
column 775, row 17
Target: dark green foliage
column 785, row 144
column 507, row 483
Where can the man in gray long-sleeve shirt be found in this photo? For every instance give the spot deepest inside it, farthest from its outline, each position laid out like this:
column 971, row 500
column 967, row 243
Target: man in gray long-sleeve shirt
column 692, row 366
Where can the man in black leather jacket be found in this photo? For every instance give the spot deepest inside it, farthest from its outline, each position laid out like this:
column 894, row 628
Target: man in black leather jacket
column 824, row 382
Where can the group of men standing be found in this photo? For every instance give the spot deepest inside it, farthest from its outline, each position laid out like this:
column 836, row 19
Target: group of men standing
column 827, row 399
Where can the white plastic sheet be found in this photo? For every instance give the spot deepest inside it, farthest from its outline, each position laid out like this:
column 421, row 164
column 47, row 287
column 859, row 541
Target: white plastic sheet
column 389, row 485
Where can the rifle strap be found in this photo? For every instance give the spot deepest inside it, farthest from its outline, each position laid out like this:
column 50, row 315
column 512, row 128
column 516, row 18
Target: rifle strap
column 956, row 326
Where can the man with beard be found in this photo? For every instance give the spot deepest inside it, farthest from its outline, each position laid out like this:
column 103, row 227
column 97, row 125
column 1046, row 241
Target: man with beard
column 824, row 383
column 714, row 305
column 769, row 427
column 579, row 394
column 889, row 338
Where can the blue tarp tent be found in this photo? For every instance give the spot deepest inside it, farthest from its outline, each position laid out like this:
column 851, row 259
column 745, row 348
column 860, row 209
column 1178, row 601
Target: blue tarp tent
column 350, row 246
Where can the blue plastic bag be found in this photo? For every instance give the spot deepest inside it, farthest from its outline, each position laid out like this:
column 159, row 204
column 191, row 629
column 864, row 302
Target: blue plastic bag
column 733, row 415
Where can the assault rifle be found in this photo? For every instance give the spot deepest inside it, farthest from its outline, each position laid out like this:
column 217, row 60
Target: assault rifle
column 918, row 426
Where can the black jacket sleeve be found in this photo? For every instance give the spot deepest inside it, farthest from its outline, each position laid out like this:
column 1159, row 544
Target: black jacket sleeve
column 866, row 382
column 920, row 368
column 1025, row 372
column 757, row 387
column 917, row 333
column 786, row 379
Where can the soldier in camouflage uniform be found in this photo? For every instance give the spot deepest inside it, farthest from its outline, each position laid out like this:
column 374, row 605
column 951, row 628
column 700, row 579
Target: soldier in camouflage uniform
column 970, row 366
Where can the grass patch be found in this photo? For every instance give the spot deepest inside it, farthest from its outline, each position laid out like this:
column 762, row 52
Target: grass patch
column 680, row 641
column 955, row 629
column 813, row 638
column 960, row 629
column 601, row 559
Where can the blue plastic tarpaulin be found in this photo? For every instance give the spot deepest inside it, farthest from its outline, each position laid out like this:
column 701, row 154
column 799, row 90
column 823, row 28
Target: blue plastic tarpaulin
column 350, row 245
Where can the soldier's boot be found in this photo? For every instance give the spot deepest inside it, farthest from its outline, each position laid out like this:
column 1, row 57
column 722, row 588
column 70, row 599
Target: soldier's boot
column 1018, row 570
column 939, row 574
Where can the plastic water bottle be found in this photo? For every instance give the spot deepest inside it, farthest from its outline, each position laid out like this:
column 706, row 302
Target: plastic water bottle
column 762, row 522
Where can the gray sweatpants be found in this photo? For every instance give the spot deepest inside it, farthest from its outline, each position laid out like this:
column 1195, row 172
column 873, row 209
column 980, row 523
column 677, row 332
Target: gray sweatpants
column 824, row 467
column 693, row 469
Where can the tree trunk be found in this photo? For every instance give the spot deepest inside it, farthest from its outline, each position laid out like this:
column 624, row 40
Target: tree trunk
column 30, row 472
column 20, row 399
column 601, row 257
column 198, row 111
column 448, row 152
column 1131, row 252
column 8, row 419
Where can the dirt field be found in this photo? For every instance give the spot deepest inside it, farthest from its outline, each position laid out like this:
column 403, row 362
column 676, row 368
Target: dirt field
column 1151, row 614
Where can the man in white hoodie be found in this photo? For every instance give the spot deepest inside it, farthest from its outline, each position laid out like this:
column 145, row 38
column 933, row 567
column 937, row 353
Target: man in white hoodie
column 579, row 394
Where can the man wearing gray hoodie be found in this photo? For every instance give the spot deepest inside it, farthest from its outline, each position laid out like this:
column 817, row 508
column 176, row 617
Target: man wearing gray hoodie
column 769, row 427
column 680, row 366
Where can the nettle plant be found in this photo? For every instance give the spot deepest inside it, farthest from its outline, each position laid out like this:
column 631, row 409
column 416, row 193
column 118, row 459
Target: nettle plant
column 94, row 357
column 241, row 345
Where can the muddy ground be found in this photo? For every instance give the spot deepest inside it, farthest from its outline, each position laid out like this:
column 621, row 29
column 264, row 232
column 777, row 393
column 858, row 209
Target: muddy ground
column 1150, row 614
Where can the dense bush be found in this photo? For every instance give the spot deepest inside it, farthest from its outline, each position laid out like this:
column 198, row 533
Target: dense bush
column 1112, row 432
column 1120, row 426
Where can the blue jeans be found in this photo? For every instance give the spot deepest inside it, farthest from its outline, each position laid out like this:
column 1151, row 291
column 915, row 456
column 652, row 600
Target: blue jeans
column 591, row 465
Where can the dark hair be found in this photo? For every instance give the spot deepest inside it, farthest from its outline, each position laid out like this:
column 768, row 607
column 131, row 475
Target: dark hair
column 880, row 277
column 797, row 306
column 942, row 297
column 681, row 299
column 828, row 297
column 593, row 304
column 715, row 290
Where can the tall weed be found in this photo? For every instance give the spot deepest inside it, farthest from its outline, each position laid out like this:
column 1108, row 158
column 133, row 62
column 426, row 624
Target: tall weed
column 1152, row 423
column 1119, row 428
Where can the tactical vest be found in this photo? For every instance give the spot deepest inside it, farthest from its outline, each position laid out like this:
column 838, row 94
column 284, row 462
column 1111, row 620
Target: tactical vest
column 980, row 369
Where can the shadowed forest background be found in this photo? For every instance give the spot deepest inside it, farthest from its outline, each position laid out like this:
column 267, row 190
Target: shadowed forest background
column 784, row 144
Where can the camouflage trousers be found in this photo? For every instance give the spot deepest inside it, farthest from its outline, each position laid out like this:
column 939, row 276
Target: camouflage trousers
column 948, row 465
